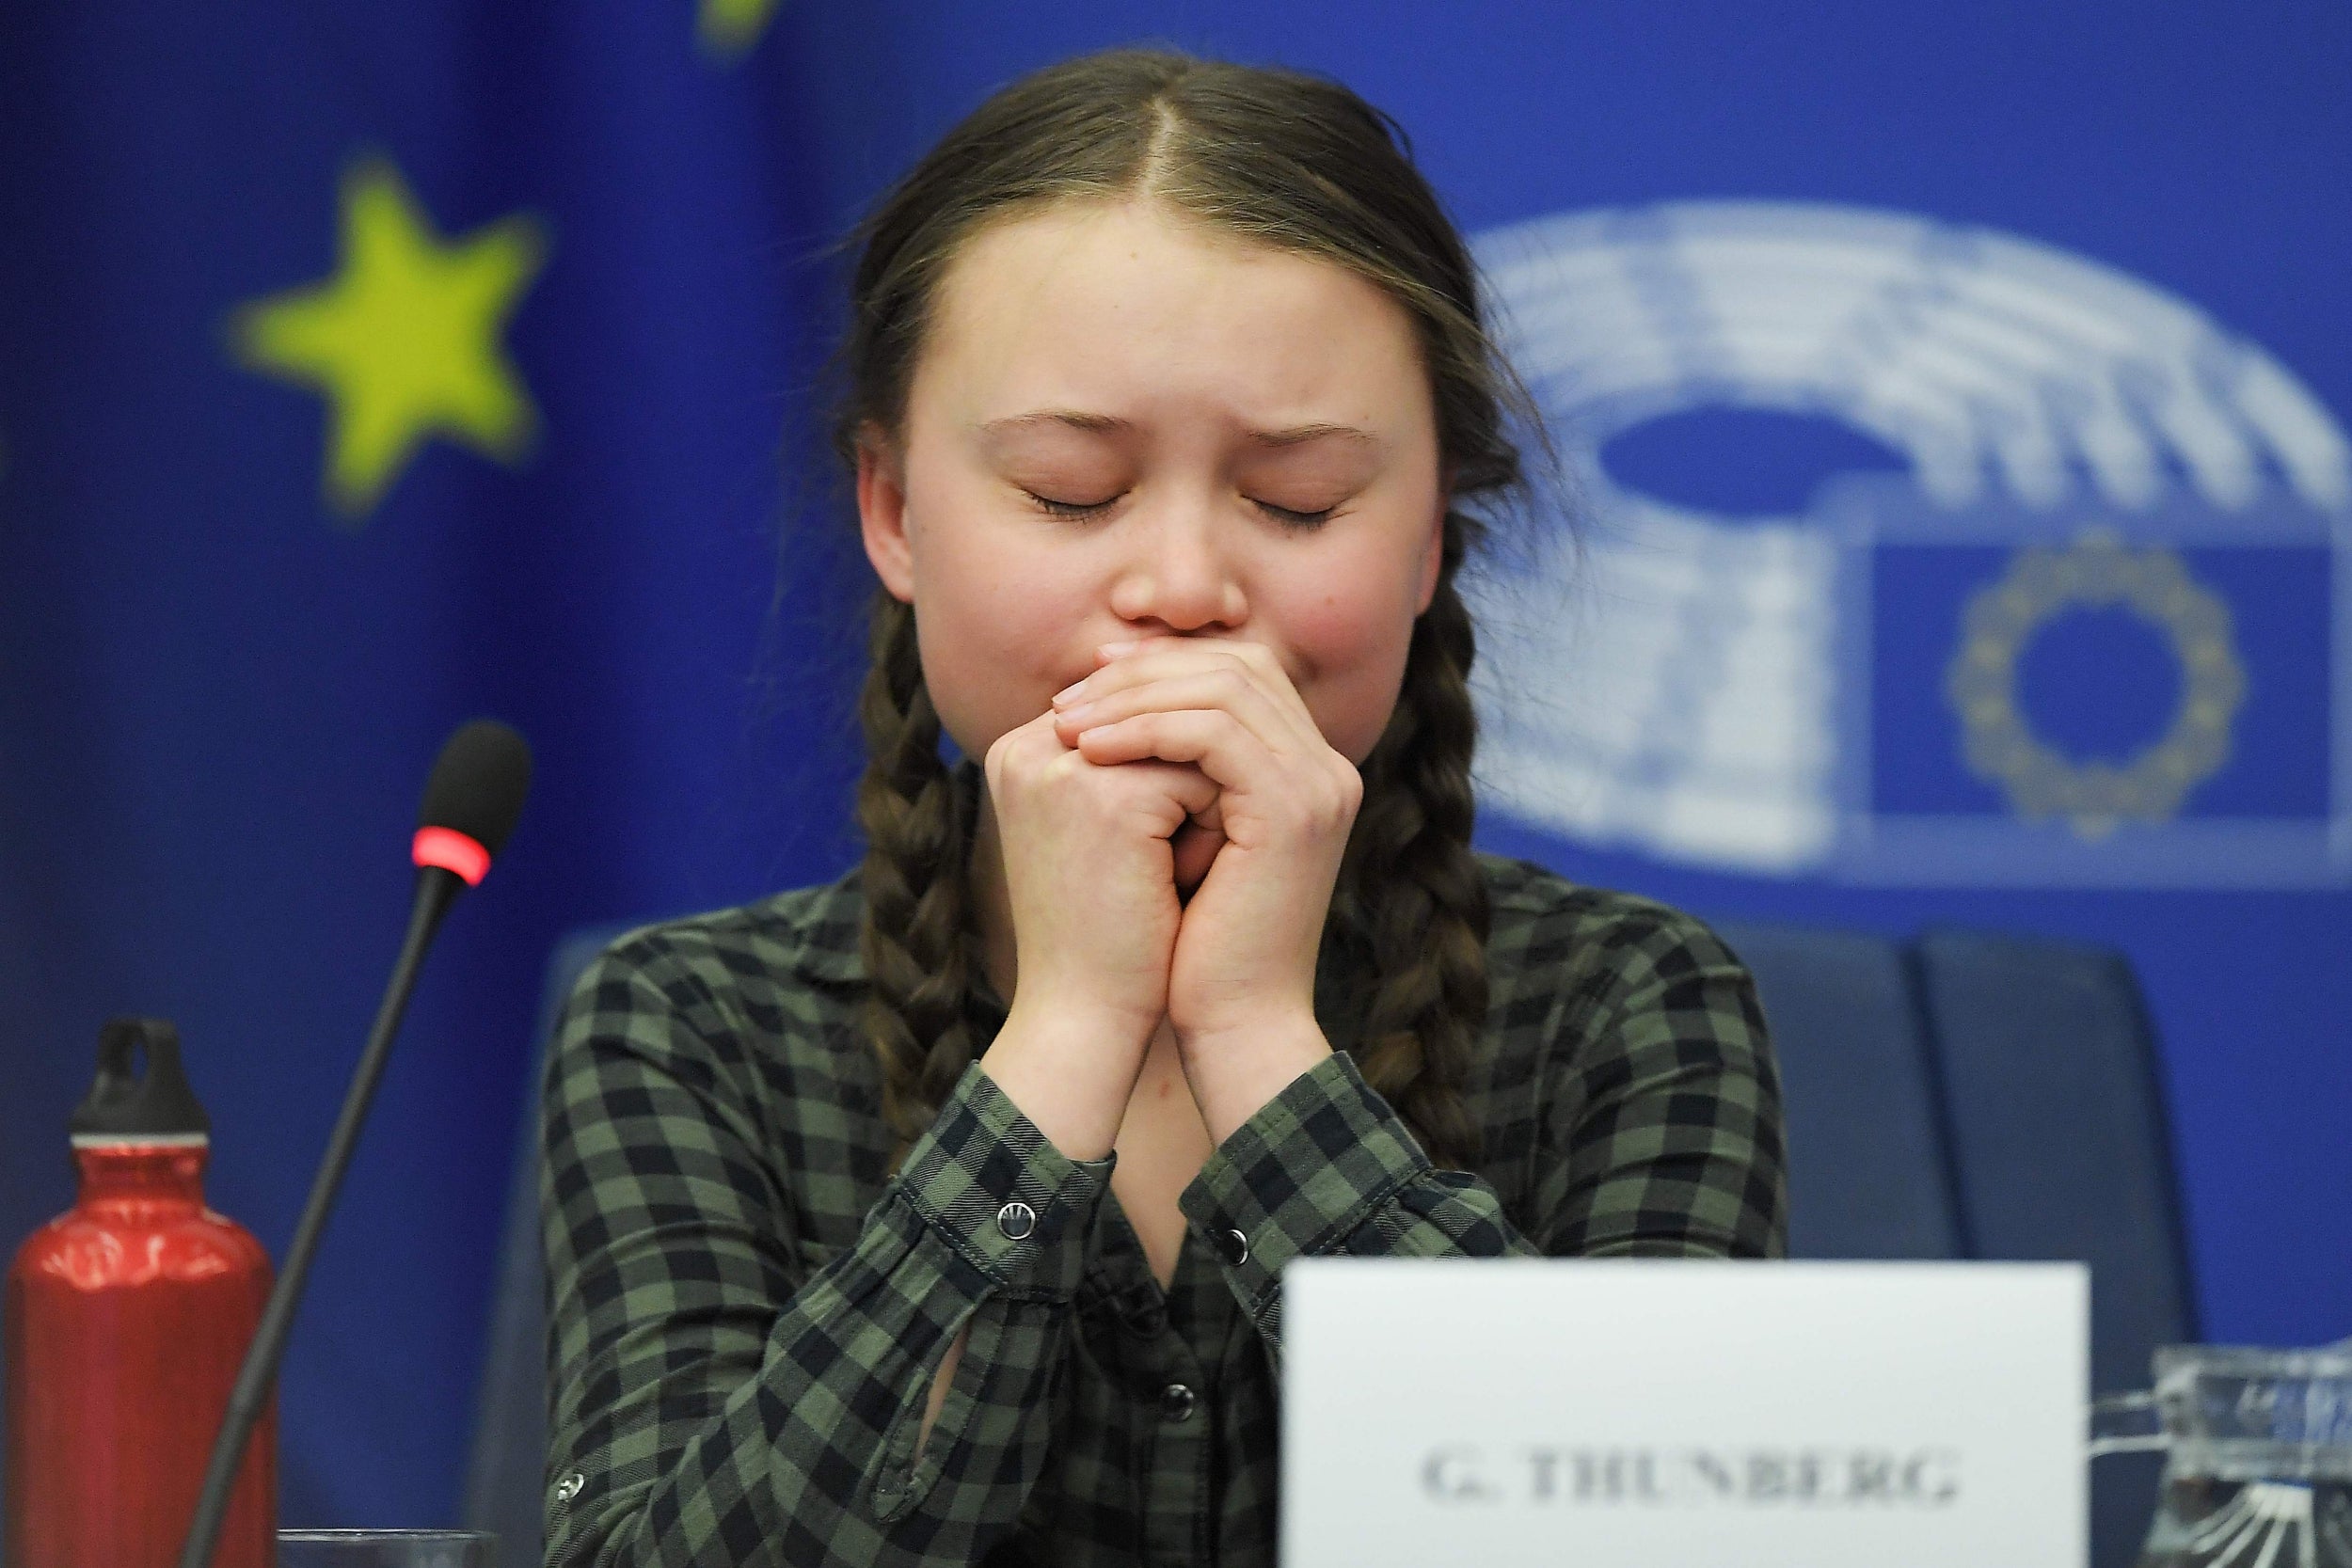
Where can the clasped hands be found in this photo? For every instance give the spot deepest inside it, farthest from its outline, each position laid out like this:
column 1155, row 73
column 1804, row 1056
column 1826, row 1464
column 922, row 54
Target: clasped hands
column 1180, row 763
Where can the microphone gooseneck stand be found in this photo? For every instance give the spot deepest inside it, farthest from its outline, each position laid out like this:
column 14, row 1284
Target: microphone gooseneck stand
column 437, row 889
column 471, row 801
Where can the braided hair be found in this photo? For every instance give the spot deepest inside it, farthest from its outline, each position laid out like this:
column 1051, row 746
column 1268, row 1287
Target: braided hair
column 918, row 837
column 1283, row 159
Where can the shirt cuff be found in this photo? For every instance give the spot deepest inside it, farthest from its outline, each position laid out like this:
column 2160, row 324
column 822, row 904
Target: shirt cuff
column 995, row 1187
column 1299, row 1178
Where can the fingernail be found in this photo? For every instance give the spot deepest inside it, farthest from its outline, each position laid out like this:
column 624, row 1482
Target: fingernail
column 1076, row 715
column 1113, row 650
column 1068, row 692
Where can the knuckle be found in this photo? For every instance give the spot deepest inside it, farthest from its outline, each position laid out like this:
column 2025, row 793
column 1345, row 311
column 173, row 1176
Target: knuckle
column 1015, row 753
column 1345, row 792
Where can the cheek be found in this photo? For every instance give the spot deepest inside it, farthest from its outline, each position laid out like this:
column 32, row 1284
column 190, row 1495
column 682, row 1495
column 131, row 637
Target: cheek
column 979, row 665
column 995, row 627
column 1353, row 656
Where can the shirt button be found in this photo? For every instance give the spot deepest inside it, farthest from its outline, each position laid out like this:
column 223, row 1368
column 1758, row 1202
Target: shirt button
column 570, row 1488
column 1233, row 1247
column 1176, row 1402
column 1016, row 1219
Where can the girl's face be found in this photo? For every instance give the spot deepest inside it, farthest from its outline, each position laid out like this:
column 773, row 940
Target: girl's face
column 1125, row 425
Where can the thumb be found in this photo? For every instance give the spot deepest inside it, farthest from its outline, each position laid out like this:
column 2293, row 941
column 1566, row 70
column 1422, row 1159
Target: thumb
column 1196, row 849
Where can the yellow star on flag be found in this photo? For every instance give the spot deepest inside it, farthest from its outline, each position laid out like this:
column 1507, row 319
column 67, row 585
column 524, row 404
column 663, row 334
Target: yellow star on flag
column 730, row 27
column 404, row 340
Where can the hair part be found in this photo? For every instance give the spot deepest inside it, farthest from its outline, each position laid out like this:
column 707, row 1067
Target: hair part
column 1303, row 164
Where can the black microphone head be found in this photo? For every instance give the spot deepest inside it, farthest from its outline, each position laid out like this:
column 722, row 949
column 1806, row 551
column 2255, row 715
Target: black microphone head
column 478, row 783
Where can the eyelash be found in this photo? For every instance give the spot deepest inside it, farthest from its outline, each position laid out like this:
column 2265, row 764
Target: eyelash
column 1299, row 521
column 1066, row 508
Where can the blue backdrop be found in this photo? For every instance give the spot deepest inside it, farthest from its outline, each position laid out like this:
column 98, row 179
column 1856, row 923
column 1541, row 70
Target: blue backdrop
column 1957, row 395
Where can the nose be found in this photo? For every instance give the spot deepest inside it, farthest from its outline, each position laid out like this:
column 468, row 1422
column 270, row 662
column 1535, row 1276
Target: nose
column 1178, row 575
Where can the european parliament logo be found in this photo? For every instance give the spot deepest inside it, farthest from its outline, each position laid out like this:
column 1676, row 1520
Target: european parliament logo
column 2093, row 628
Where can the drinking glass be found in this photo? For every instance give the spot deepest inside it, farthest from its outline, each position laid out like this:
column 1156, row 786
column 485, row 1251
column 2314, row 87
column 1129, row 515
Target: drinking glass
column 387, row 1548
column 2258, row 1456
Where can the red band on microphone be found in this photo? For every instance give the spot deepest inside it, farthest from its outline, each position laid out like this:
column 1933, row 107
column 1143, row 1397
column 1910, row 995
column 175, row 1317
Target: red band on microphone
column 452, row 851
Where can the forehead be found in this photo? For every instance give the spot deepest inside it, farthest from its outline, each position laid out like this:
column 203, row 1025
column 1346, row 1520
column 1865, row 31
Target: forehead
column 1128, row 306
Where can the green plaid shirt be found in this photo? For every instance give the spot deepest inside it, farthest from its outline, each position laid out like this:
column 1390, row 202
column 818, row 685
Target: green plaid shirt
column 745, row 1311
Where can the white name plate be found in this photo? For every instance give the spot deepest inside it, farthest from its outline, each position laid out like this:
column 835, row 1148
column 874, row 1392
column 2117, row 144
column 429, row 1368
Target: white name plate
column 1641, row 1414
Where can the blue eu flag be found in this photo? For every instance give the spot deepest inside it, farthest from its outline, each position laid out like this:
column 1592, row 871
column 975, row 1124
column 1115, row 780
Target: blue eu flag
column 2096, row 695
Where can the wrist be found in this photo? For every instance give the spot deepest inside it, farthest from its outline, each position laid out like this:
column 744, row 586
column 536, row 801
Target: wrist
column 1069, row 1071
column 1235, row 1068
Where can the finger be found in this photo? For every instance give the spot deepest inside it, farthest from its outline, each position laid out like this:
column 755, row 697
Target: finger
column 1222, row 748
column 1223, row 687
column 1022, row 747
column 1176, row 658
column 1155, row 655
column 1173, row 793
column 1105, row 652
column 1031, row 757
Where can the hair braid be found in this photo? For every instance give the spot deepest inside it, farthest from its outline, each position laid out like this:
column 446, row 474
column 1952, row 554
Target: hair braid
column 917, row 834
column 1413, row 887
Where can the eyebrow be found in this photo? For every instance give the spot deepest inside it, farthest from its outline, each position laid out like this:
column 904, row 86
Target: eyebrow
column 1109, row 424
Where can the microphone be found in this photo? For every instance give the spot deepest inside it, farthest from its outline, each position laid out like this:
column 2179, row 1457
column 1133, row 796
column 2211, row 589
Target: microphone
column 470, row 803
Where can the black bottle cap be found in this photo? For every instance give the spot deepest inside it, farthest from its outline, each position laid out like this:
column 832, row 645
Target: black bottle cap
column 157, row 1104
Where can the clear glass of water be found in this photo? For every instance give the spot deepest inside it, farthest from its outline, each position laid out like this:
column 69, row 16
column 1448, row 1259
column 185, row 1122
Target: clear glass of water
column 387, row 1548
column 2258, row 1456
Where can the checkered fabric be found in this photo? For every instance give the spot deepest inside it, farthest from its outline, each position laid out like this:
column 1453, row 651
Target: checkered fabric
column 745, row 1311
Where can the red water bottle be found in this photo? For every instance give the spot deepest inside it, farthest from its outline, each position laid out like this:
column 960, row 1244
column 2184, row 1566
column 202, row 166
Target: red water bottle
column 127, row 1317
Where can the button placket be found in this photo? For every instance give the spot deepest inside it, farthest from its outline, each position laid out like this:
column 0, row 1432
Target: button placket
column 1179, row 1479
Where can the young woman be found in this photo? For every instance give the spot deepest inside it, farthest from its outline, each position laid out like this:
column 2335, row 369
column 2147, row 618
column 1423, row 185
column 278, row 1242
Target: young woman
column 935, row 1216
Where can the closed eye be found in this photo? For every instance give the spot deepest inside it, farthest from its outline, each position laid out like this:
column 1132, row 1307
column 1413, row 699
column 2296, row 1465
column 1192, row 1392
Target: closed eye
column 1302, row 520
column 1053, row 508
column 1289, row 517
